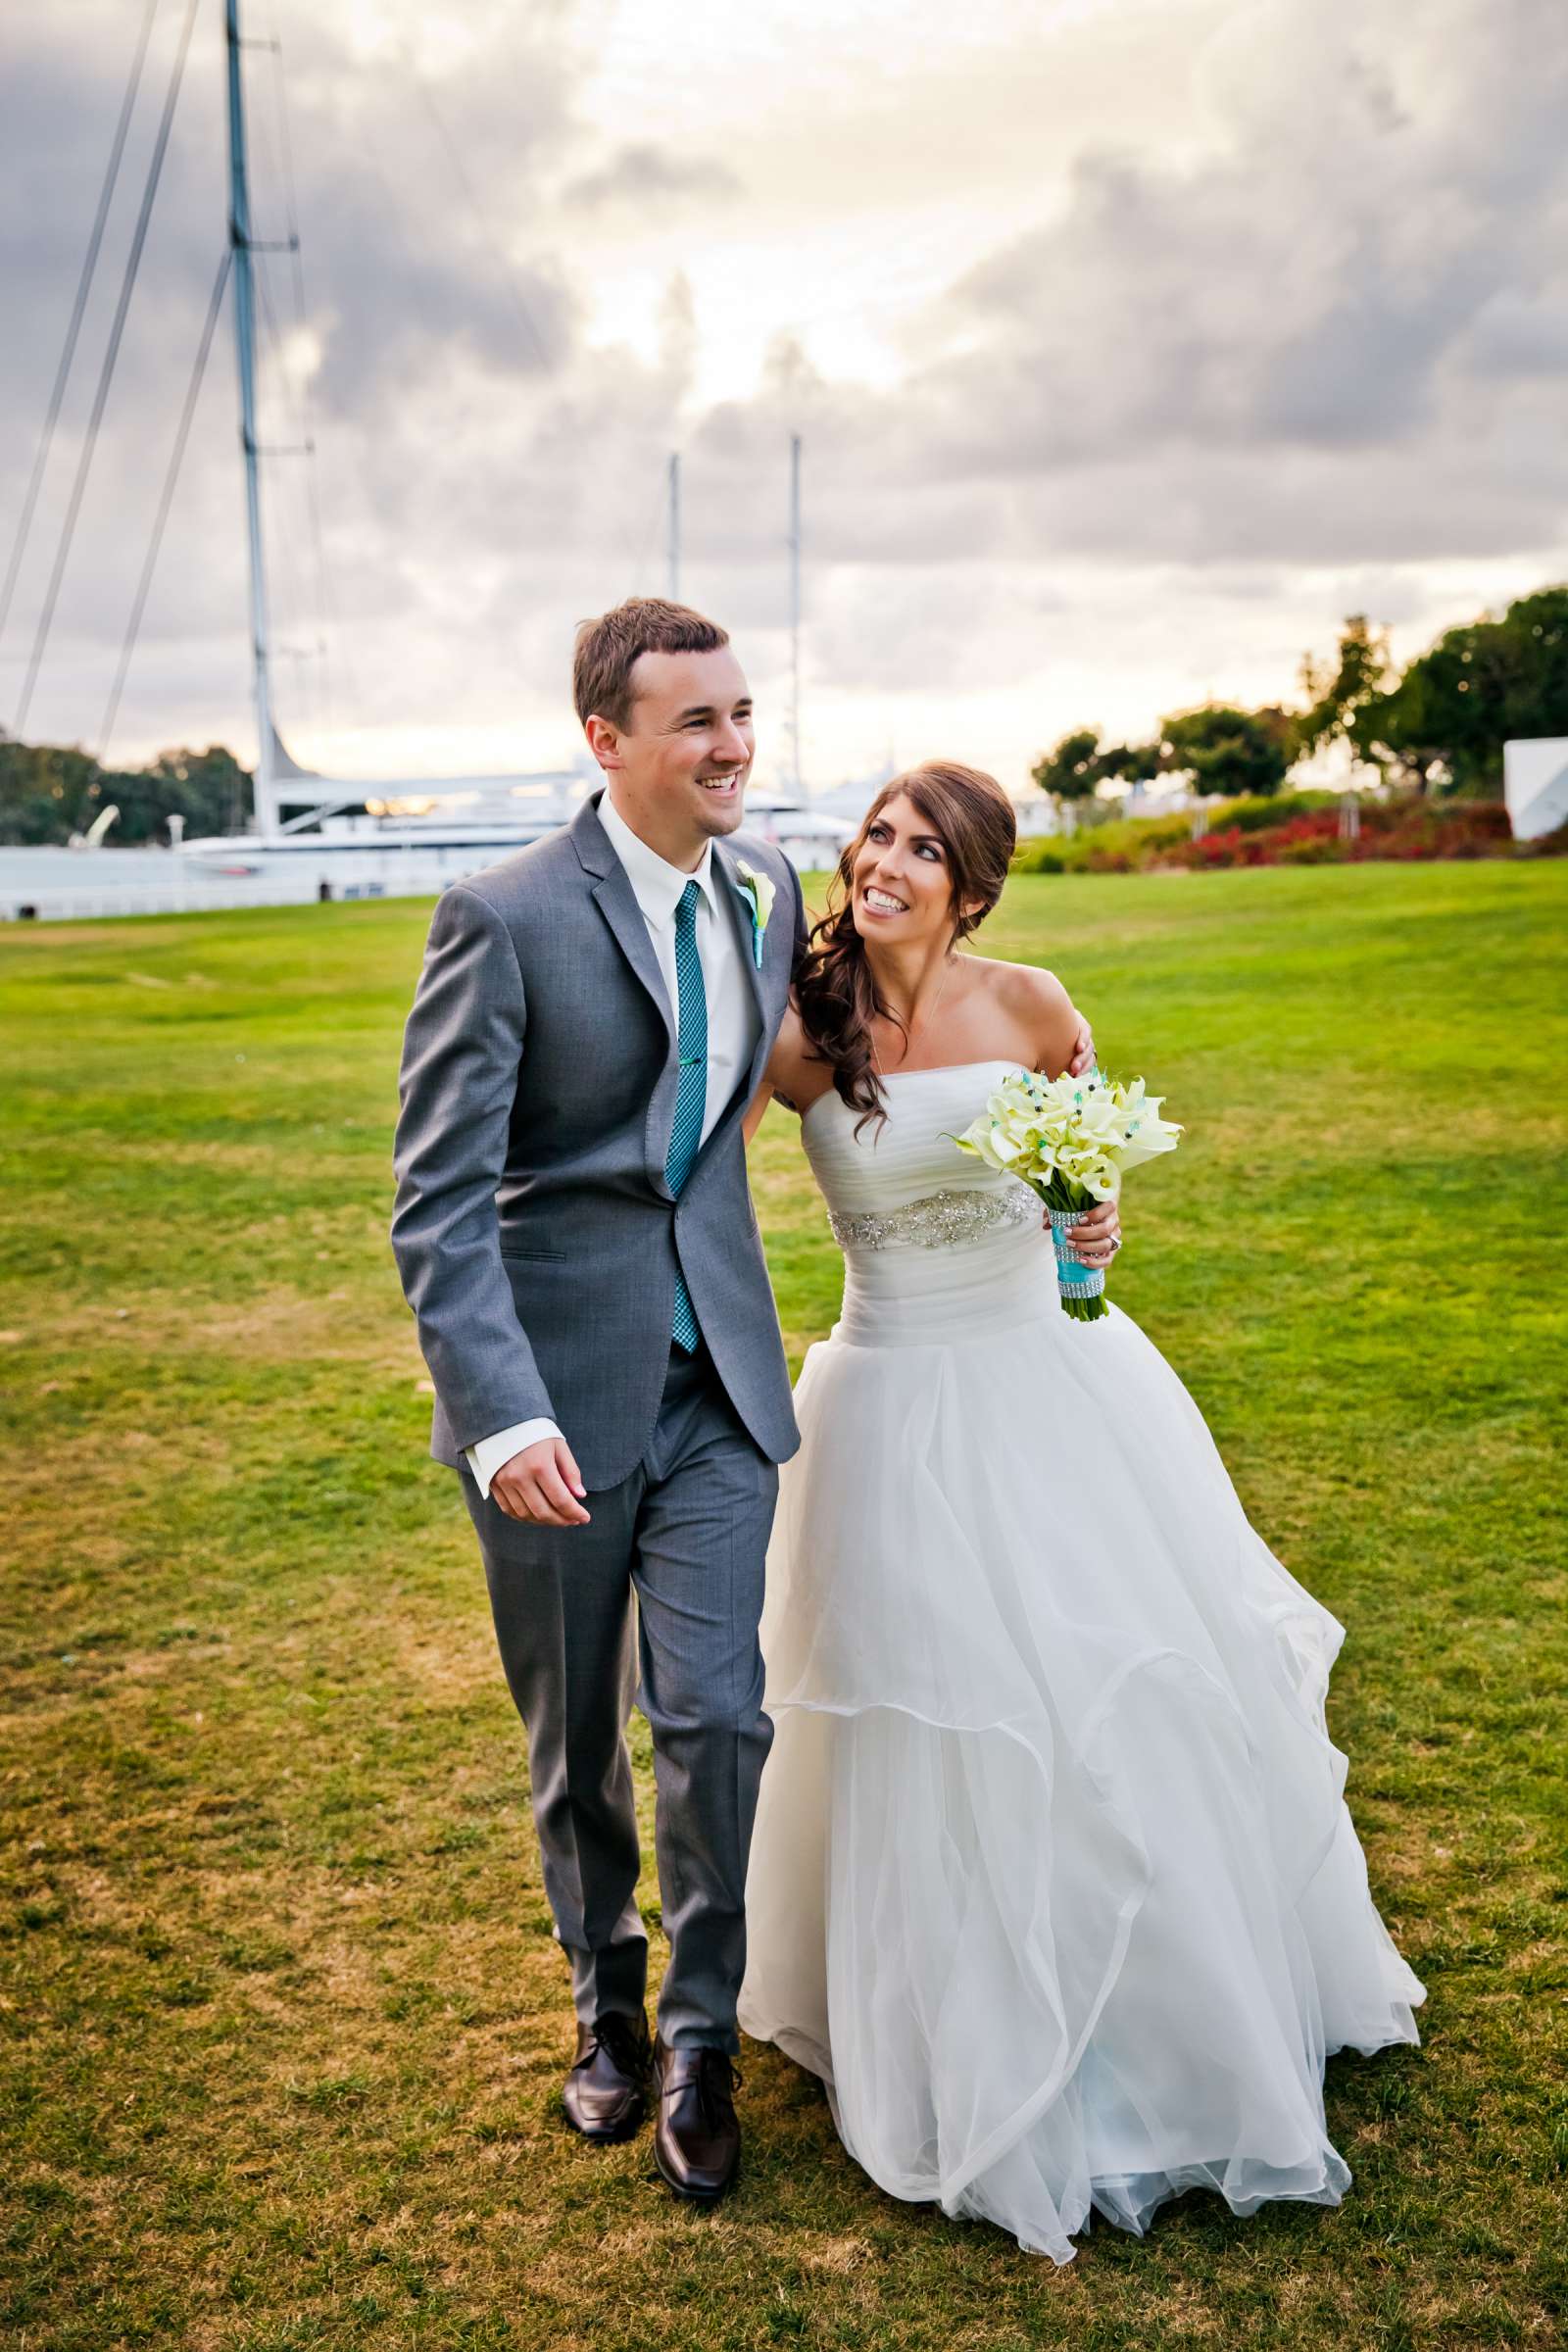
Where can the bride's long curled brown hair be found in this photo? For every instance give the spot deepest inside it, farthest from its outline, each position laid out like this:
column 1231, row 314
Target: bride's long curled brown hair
column 834, row 989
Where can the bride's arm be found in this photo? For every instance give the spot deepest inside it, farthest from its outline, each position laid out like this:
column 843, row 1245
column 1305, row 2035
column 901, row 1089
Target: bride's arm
column 780, row 1076
column 758, row 1106
column 1060, row 1034
column 1062, row 1041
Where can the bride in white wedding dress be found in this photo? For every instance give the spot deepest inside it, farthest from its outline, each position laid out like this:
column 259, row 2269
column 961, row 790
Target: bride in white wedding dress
column 1052, row 1880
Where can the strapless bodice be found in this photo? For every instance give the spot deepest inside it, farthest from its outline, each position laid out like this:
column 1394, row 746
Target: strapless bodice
column 937, row 1245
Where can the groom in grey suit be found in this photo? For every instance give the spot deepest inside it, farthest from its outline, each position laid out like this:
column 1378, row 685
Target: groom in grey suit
column 574, row 1233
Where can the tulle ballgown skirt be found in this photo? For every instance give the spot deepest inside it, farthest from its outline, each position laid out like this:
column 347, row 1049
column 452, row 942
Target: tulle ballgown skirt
column 1053, row 1881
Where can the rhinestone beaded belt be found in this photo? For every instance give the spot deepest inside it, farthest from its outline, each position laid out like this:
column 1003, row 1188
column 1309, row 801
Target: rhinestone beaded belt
column 941, row 1221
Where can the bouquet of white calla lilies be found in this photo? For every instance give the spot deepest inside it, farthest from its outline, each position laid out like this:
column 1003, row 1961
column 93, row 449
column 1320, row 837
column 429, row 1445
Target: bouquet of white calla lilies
column 1072, row 1141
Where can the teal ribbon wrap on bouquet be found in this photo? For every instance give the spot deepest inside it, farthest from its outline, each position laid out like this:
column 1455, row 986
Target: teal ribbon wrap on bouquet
column 1083, row 1287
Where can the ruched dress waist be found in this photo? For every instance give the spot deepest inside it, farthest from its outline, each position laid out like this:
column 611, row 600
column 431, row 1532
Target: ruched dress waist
column 947, row 1270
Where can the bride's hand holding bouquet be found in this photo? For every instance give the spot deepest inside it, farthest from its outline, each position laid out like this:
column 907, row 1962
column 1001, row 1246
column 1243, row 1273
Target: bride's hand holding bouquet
column 1071, row 1140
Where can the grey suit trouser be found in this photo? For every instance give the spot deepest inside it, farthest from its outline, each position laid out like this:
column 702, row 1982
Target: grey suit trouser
column 687, row 1531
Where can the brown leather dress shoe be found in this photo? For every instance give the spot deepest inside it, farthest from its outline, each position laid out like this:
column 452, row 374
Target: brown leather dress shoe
column 697, row 2138
column 603, row 2094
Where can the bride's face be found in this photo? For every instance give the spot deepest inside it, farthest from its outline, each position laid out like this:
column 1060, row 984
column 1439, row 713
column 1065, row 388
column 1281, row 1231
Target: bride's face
column 901, row 878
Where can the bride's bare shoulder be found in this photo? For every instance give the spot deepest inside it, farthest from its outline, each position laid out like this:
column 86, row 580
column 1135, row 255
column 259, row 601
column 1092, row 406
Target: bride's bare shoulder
column 1025, row 989
column 1034, row 1007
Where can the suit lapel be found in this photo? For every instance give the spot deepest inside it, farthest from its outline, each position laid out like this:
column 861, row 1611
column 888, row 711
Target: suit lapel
column 741, row 915
column 610, row 887
column 617, row 901
column 765, row 985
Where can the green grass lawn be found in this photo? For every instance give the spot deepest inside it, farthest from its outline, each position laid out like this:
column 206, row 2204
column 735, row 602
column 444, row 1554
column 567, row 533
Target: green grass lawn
column 283, row 2026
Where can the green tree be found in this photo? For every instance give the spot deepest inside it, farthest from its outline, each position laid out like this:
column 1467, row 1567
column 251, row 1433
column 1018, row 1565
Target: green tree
column 209, row 789
column 1443, row 725
column 1133, row 763
column 50, row 791
column 1336, row 694
column 1229, row 750
column 1072, row 771
column 1081, row 763
column 42, row 789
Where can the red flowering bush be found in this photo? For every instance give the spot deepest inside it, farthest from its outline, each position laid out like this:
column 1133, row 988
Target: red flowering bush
column 1390, row 829
column 1305, row 831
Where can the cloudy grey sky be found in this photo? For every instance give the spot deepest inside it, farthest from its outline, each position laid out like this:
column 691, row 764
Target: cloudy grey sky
column 1132, row 346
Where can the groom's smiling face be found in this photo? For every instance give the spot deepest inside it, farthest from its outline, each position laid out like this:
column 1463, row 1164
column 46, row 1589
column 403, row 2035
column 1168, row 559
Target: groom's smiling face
column 678, row 769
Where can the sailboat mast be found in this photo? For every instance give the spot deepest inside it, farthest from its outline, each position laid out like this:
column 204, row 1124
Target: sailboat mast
column 674, row 527
column 794, row 607
column 239, row 239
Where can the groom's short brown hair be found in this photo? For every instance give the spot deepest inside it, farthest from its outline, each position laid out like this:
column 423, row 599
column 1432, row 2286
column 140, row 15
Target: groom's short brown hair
column 607, row 648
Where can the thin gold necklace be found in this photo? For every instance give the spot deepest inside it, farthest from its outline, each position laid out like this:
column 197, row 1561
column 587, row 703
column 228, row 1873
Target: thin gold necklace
column 876, row 1059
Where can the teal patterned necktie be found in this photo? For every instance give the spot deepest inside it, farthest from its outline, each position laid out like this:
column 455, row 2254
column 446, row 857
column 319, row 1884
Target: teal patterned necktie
column 691, row 1095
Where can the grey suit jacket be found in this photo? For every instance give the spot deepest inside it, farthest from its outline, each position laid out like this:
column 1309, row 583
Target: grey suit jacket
column 534, row 1232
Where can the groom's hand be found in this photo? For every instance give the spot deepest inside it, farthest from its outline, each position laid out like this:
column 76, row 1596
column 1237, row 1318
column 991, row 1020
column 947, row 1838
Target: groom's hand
column 541, row 1486
column 1083, row 1053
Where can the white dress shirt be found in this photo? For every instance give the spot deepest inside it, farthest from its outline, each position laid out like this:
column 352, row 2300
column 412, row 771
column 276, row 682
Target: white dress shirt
column 723, row 936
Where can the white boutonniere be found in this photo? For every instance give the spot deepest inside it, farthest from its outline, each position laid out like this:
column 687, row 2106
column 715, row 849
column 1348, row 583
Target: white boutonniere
column 760, row 893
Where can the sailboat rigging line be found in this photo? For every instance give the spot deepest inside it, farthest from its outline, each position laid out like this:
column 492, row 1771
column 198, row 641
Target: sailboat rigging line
column 78, row 307
column 106, row 373
column 323, row 596
column 642, row 564
column 289, row 565
column 285, row 149
column 166, row 500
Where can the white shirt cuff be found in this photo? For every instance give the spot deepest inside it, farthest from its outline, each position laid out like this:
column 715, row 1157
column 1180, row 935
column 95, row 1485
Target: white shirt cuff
column 493, row 1453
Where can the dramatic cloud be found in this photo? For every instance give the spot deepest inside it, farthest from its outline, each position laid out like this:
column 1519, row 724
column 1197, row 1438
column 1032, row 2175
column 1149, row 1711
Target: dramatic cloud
column 1130, row 347
column 1338, row 338
column 641, row 175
